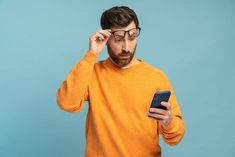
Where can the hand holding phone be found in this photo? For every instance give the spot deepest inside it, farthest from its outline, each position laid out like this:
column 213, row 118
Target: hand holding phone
column 159, row 112
column 159, row 97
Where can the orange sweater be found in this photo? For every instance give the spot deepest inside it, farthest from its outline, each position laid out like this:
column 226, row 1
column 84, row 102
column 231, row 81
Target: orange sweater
column 117, row 124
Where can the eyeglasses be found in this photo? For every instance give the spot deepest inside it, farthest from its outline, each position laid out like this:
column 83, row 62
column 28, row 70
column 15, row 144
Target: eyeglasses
column 119, row 35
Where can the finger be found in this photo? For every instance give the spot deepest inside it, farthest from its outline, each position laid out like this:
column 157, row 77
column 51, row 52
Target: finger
column 166, row 104
column 157, row 116
column 155, row 119
column 158, row 111
column 99, row 36
column 105, row 33
column 165, row 113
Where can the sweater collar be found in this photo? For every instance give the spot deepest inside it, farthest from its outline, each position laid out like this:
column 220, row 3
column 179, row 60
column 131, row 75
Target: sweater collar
column 111, row 64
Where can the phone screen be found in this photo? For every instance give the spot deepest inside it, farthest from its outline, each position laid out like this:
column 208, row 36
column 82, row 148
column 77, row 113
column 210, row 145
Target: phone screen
column 158, row 98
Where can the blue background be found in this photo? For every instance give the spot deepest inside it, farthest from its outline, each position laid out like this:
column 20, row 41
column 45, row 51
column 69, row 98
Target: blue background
column 193, row 41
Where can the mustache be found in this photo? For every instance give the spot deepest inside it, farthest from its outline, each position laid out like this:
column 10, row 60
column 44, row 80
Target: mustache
column 125, row 53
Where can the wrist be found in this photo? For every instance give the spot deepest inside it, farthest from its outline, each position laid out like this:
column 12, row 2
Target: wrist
column 94, row 52
column 171, row 123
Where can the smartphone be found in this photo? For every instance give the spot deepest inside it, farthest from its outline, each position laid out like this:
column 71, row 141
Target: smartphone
column 159, row 97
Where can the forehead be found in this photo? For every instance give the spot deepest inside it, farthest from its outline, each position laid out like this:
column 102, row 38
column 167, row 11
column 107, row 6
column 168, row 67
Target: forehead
column 130, row 26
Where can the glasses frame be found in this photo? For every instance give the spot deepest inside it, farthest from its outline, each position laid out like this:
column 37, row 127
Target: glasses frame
column 128, row 31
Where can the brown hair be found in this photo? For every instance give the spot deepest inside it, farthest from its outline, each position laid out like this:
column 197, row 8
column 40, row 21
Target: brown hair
column 118, row 16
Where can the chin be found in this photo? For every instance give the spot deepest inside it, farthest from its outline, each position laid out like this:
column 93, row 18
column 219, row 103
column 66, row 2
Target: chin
column 124, row 62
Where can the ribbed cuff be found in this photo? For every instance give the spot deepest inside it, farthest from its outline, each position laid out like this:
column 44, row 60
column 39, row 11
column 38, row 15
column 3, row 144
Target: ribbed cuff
column 90, row 57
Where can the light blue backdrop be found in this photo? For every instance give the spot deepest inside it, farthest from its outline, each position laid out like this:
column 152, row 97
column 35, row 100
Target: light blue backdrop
column 193, row 41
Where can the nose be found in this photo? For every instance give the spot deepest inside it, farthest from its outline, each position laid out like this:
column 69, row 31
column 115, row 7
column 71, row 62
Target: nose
column 126, row 45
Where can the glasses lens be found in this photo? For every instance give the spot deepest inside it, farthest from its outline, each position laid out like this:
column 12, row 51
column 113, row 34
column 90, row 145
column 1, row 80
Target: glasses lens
column 119, row 35
column 133, row 33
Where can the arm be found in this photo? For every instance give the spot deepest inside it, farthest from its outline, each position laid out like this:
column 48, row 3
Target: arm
column 74, row 90
column 170, row 121
column 173, row 132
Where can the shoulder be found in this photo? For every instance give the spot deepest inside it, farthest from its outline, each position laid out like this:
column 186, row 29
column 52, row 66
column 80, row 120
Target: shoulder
column 153, row 70
column 159, row 76
column 99, row 65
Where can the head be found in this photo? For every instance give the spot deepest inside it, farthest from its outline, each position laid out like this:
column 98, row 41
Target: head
column 124, row 24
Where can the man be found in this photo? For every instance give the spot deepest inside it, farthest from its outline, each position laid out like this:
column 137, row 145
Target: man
column 120, row 90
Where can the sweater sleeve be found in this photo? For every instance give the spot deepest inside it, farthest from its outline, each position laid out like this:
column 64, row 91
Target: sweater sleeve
column 74, row 90
column 172, row 133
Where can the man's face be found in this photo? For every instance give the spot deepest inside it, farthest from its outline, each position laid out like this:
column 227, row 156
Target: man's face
column 122, row 45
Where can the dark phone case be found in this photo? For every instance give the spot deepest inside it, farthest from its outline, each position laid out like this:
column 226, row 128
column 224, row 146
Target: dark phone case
column 158, row 98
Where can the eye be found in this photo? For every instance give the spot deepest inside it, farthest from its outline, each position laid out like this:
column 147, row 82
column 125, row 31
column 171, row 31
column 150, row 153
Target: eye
column 133, row 36
column 118, row 37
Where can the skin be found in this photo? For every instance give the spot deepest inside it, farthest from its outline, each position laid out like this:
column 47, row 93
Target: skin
column 122, row 55
column 164, row 117
column 124, row 48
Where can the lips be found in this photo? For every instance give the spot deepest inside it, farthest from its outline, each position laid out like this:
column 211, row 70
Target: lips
column 124, row 56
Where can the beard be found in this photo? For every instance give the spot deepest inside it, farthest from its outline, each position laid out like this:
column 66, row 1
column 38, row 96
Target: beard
column 123, row 58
